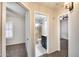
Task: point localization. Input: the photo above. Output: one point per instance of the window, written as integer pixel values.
(9, 29)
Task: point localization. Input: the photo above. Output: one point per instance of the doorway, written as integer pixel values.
(41, 32)
(15, 46)
(64, 35)
(16, 32)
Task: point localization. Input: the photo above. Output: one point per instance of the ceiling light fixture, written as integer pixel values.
(69, 6)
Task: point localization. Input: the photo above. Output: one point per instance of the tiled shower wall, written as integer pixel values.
(0, 33)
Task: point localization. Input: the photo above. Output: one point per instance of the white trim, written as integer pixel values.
(3, 29)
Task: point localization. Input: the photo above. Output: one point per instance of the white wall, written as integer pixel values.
(74, 31)
(18, 29)
(39, 31)
(44, 27)
(64, 28)
(0, 31)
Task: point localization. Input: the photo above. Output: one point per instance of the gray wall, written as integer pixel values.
(18, 29)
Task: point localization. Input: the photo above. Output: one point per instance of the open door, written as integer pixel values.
(27, 30)
(27, 34)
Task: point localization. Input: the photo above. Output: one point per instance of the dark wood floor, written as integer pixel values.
(17, 50)
(62, 53)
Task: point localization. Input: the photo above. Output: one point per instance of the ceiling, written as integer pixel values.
(52, 4)
(15, 8)
(39, 18)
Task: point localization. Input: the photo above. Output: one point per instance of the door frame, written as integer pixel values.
(3, 29)
(59, 46)
(42, 13)
(4, 24)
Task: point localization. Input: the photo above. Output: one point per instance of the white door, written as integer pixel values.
(27, 34)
